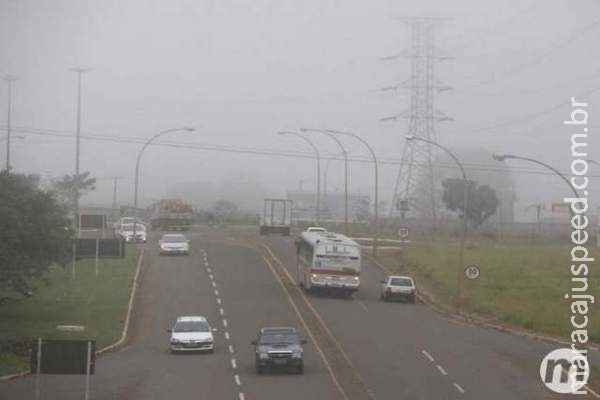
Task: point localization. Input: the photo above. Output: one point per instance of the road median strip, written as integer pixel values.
(345, 376)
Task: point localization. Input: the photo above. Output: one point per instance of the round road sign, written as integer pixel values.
(472, 272)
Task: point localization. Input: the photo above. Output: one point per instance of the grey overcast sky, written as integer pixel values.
(241, 70)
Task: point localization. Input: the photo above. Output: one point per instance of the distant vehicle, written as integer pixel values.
(328, 261)
(191, 333)
(125, 221)
(398, 287)
(174, 243)
(316, 229)
(278, 348)
(126, 232)
(276, 217)
(171, 215)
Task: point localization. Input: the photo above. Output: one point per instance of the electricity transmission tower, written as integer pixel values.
(414, 189)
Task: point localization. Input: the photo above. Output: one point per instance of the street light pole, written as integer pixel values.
(9, 80)
(137, 171)
(460, 266)
(316, 150)
(76, 179)
(376, 209)
(502, 157)
(345, 153)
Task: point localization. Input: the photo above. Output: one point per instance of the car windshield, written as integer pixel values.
(279, 338)
(401, 282)
(191, 326)
(174, 239)
(129, 227)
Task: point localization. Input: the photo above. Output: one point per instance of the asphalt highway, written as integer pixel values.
(357, 348)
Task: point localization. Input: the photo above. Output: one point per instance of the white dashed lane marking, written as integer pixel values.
(233, 363)
(426, 354)
(442, 370)
(459, 388)
(226, 335)
(216, 292)
(225, 323)
(237, 380)
(218, 301)
(221, 311)
(231, 349)
(242, 397)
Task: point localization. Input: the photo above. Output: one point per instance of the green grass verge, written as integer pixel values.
(99, 303)
(522, 285)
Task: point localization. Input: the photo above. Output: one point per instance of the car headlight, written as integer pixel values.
(175, 341)
(263, 356)
(297, 354)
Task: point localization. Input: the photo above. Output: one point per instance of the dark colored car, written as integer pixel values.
(279, 348)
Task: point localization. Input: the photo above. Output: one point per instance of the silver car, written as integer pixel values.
(174, 244)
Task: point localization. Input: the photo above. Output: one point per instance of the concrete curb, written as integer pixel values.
(125, 326)
(134, 286)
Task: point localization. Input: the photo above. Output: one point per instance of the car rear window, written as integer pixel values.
(401, 282)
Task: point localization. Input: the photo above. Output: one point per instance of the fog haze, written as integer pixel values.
(240, 71)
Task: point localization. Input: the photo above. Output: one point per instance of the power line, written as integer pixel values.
(273, 152)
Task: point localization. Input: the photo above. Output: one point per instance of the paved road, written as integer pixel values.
(170, 286)
(385, 351)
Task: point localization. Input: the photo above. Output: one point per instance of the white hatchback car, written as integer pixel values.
(191, 333)
(398, 287)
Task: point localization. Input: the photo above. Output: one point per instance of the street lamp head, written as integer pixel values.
(189, 129)
(410, 137)
(499, 157)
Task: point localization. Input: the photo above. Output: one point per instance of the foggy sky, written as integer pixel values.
(239, 71)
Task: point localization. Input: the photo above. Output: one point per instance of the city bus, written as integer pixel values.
(328, 260)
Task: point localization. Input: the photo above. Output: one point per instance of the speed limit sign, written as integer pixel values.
(472, 272)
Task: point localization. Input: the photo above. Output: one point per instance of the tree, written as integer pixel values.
(482, 200)
(33, 231)
(65, 187)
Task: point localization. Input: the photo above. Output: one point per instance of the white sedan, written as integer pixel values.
(191, 333)
(174, 243)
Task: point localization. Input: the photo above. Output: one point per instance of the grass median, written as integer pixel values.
(97, 302)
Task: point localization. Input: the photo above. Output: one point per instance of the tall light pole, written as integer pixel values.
(137, 171)
(461, 248)
(79, 71)
(502, 157)
(9, 81)
(316, 150)
(345, 153)
(326, 172)
(376, 209)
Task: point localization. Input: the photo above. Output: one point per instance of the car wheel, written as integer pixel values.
(300, 369)
(412, 299)
(259, 370)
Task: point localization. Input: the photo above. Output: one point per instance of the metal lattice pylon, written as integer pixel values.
(414, 190)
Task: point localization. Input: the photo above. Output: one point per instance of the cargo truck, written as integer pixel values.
(171, 215)
(276, 217)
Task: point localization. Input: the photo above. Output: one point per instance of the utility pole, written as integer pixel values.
(9, 80)
(415, 190)
(76, 180)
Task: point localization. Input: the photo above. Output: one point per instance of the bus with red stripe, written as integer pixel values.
(327, 260)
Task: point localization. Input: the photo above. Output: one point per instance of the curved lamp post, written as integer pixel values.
(461, 248)
(307, 140)
(137, 170)
(502, 157)
(345, 154)
(376, 208)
